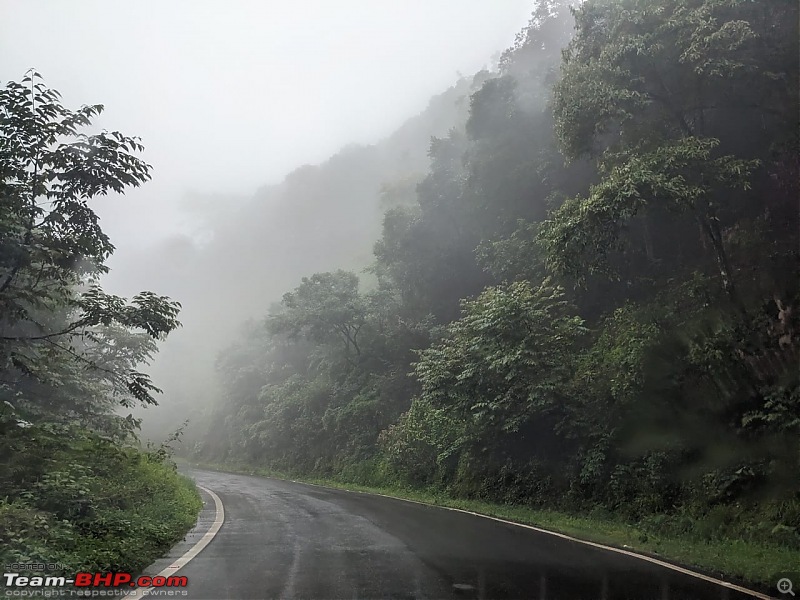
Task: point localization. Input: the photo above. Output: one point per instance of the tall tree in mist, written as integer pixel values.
(76, 489)
(55, 317)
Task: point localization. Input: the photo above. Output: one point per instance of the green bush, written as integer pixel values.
(99, 507)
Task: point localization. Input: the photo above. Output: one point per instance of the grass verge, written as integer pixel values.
(748, 563)
(95, 506)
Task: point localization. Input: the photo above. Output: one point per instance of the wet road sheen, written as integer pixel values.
(289, 540)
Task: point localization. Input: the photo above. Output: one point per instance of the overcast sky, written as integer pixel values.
(230, 95)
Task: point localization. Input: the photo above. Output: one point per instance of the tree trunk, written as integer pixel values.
(648, 239)
(710, 226)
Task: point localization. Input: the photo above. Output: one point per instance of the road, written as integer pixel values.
(290, 540)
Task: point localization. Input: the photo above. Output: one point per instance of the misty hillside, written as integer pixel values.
(321, 217)
(581, 305)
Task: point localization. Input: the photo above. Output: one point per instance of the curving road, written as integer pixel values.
(290, 540)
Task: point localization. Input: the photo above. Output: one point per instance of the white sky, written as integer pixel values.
(230, 95)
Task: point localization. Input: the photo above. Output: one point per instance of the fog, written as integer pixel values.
(229, 98)
(532, 254)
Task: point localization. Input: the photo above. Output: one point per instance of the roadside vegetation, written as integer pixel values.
(91, 504)
(76, 489)
(585, 313)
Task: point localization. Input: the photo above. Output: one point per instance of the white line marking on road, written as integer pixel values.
(655, 561)
(204, 541)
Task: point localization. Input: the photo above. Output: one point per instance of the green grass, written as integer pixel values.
(747, 562)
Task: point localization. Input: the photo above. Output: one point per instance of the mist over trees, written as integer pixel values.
(586, 299)
(249, 252)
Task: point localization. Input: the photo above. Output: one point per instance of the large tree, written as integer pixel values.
(685, 105)
(505, 361)
(58, 328)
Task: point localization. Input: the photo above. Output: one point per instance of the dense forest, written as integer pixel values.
(589, 300)
(72, 473)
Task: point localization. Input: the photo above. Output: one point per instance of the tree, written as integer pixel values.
(504, 361)
(681, 176)
(55, 317)
(70, 354)
(681, 100)
(323, 308)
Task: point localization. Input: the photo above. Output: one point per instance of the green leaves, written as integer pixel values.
(58, 329)
(505, 360)
(74, 498)
(680, 176)
(48, 173)
(323, 308)
(156, 315)
(675, 64)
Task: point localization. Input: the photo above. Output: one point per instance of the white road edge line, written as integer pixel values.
(655, 561)
(219, 519)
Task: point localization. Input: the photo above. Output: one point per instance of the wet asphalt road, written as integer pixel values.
(289, 540)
